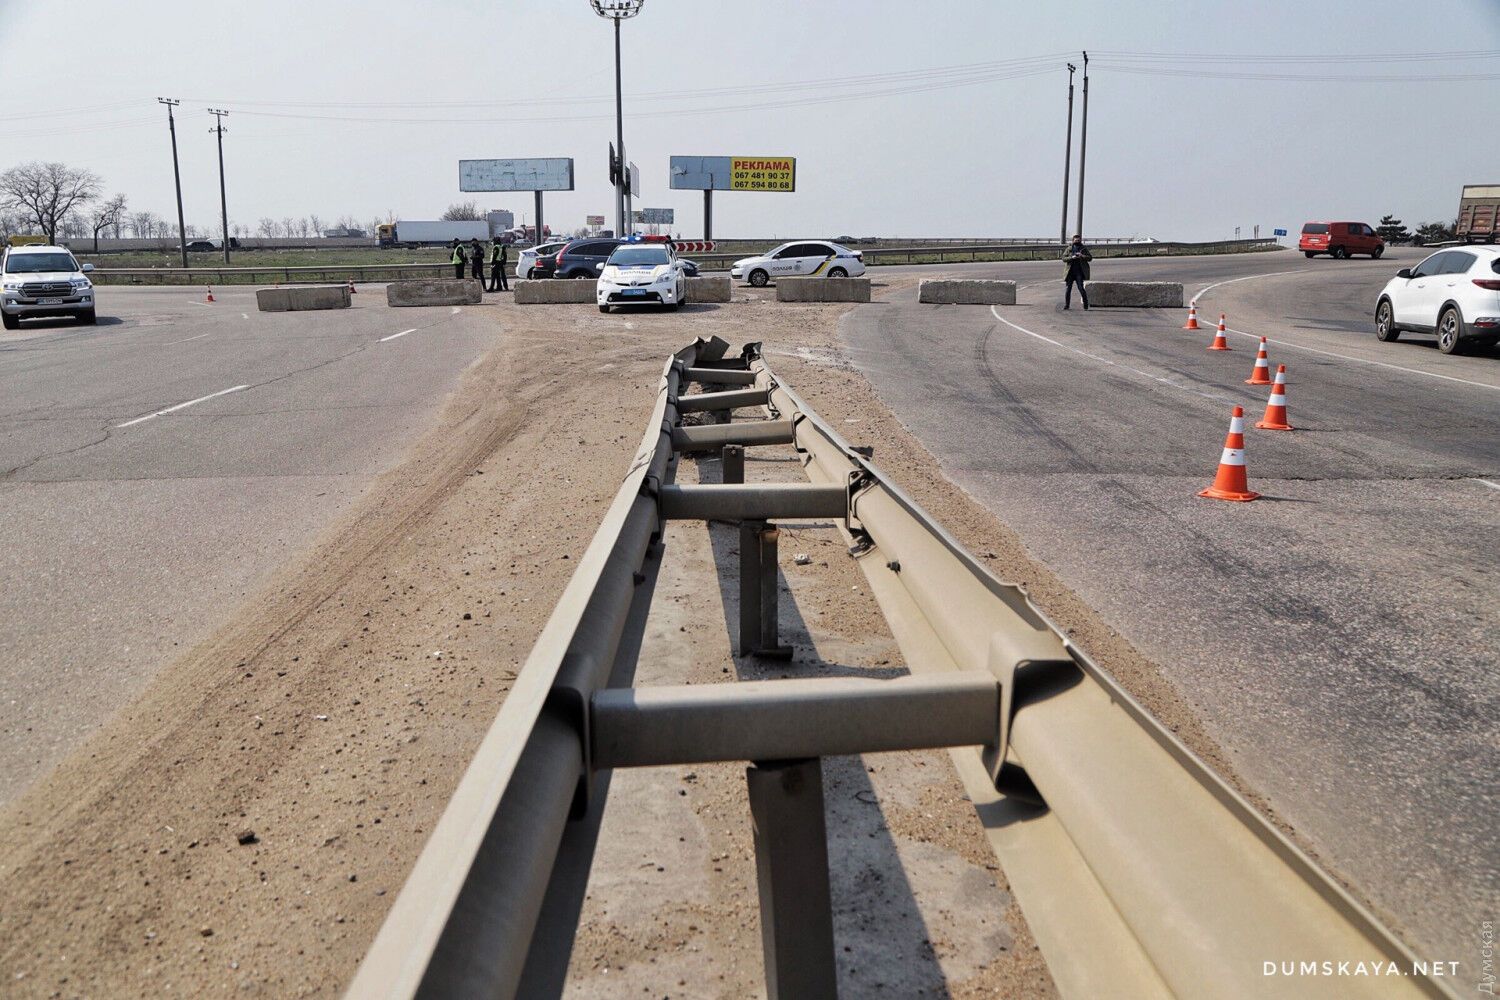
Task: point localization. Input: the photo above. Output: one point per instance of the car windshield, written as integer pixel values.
(1315, 227)
(35, 263)
(638, 257)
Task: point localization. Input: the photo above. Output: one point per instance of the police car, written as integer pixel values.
(802, 259)
(642, 274)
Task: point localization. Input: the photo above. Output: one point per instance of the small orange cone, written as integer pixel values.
(1192, 323)
(1275, 418)
(210, 292)
(1262, 373)
(352, 289)
(1220, 344)
(1230, 483)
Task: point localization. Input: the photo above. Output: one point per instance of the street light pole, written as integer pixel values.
(1067, 159)
(1083, 142)
(219, 129)
(617, 11)
(176, 176)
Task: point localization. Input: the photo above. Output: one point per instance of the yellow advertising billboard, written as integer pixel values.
(762, 173)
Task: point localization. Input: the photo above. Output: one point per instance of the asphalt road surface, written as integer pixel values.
(1340, 636)
(157, 468)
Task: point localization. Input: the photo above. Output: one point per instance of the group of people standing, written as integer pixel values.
(472, 257)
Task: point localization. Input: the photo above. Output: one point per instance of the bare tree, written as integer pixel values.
(106, 214)
(46, 193)
(239, 230)
(463, 211)
(346, 222)
(317, 224)
(267, 228)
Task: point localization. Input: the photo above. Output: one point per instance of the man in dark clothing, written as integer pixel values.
(498, 261)
(476, 260)
(457, 259)
(1077, 257)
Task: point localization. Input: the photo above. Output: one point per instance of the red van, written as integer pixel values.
(1340, 239)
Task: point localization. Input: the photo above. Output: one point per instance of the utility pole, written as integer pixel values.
(176, 176)
(219, 129)
(617, 11)
(1083, 142)
(1067, 159)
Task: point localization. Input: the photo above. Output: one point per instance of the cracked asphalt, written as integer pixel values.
(125, 544)
(1341, 636)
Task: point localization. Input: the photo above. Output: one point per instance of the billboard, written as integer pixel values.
(734, 173)
(547, 174)
(593, 220)
(657, 216)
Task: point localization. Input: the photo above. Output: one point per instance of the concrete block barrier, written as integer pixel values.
(435, 292)
(715, 289)
(297, 298)
(1139, 294)
(553, 291)
(822, 289)
(967, 292)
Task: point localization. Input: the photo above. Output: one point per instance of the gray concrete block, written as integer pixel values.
(714, 289)
(298, 298)
(822, 289)
(553, 291)
(967, 292)
(1139, 294)
(435, 292)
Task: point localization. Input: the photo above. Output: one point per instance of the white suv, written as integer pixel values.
(44, 281)
(1454, 294)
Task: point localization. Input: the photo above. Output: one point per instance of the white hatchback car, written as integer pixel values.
(1454, 294)
(642, 274)
(803, 259)
(527, 258)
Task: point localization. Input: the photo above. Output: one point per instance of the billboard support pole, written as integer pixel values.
(1083, 142)
(539, 240)
(708, 213)
(1062, 235)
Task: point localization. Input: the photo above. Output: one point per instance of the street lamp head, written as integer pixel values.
(617, 10)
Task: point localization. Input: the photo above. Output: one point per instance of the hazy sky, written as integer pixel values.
(361, 108)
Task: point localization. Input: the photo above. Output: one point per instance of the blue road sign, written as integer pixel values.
(1278, 232)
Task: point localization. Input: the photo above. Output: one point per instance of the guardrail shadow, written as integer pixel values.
(880, 933)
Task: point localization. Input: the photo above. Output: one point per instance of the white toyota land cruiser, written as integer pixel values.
(44, 281)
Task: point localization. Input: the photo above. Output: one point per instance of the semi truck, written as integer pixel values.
(1479, 213)
(405, 233)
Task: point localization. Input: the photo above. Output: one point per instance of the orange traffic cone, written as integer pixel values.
(1192, 323)
(1220, 343)
(352, 289)
(1275, 418)
(1262, 373)
(210, 292)
(1230, 483)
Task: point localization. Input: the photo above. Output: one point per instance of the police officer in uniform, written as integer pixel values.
(458, 259)
(476, 261)
(498, 260)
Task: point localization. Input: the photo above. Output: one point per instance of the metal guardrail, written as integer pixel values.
(1139, 871)
(956, 253)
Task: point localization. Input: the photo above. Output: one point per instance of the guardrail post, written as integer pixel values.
(791, 865)
(760, 606)
(732, 463)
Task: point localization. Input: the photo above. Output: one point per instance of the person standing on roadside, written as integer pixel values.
(498, 261)
(1077, 257)
(476, 261)
(458, 259)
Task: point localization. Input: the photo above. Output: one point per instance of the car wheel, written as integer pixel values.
(1375, 254)
(10, 322)
(1310, 254)
(838, 272)
(1385, 322)
(1450, 332)
(88, 317)
(604, 309)
(1338, 253)
(759, 278)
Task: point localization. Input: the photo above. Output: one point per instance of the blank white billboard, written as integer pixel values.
(545, 174)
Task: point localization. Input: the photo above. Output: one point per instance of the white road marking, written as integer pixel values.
(1216, 397)
(456, 311)
(200, 336)
(1493, 486)
(395, 335)
(244, 315)
(1334, 354)
(181, 406)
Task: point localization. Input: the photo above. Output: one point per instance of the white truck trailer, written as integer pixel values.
(407, 233)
